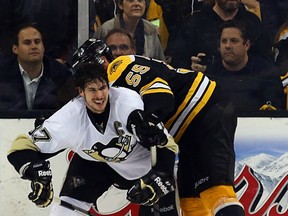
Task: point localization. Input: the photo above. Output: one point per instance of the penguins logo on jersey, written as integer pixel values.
(116, 150)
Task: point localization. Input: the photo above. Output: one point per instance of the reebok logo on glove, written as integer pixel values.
(44, 173)
(163, 188)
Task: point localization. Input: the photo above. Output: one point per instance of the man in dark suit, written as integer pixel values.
(30, 80)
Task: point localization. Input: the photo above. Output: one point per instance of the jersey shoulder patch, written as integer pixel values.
(116, 67)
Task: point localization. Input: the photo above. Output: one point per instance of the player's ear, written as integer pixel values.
(80, 91)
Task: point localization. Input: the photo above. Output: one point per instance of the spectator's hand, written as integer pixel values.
(196, 63)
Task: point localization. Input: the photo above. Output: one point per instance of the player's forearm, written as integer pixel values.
(22, 151)
(165, 160)
(22, 157)
(159, 104)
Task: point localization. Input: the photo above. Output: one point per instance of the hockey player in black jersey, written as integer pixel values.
(202, 122)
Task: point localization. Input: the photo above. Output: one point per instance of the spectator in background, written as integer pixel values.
(273, 15)
(251, 82)
(199, 34)
(154, 15)
(280, 50)
(175, 12)
(57, 20)
(105, 10)
(120, 42)
(252, 6)
(30, 80)
(130, 18)
(280, 47)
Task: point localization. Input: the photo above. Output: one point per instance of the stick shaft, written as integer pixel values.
(153, 151)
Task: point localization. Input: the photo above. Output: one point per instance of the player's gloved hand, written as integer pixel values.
(148, 189)
(41, 182)
(147, 127)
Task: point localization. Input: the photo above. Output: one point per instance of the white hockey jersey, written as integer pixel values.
(71, 128)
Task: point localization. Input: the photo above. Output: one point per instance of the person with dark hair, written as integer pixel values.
(201, 120)
(57, 20)
(120, 42)
(31, 80)
(251, 82)
(104, 126)
(105, 10)
(131, 19)
(199, 34)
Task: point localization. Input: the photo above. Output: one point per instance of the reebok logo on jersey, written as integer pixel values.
(160, 184)
(44, 173)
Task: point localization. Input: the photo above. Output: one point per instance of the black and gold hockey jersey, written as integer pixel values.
(177, 96)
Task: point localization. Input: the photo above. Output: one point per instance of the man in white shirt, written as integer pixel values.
(31, 80)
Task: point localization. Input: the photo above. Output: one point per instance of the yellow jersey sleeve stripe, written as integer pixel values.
(200, 92)
(191, 92)
(153, 91)
(158, 85)
(195, 111)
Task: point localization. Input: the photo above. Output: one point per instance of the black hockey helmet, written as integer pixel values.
(91, 51)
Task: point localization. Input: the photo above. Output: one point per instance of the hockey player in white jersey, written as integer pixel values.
(104, 127)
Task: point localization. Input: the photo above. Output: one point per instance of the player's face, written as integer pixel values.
(228, 5)
(96, 96)
(133, 8)
(120, 44)
(30, 48)
(233, 48)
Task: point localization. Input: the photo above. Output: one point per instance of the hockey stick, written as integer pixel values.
(153, 151)
(72, 207)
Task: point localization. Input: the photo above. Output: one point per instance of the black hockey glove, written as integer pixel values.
(42, 189)
(147, 127)
(150, 188)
